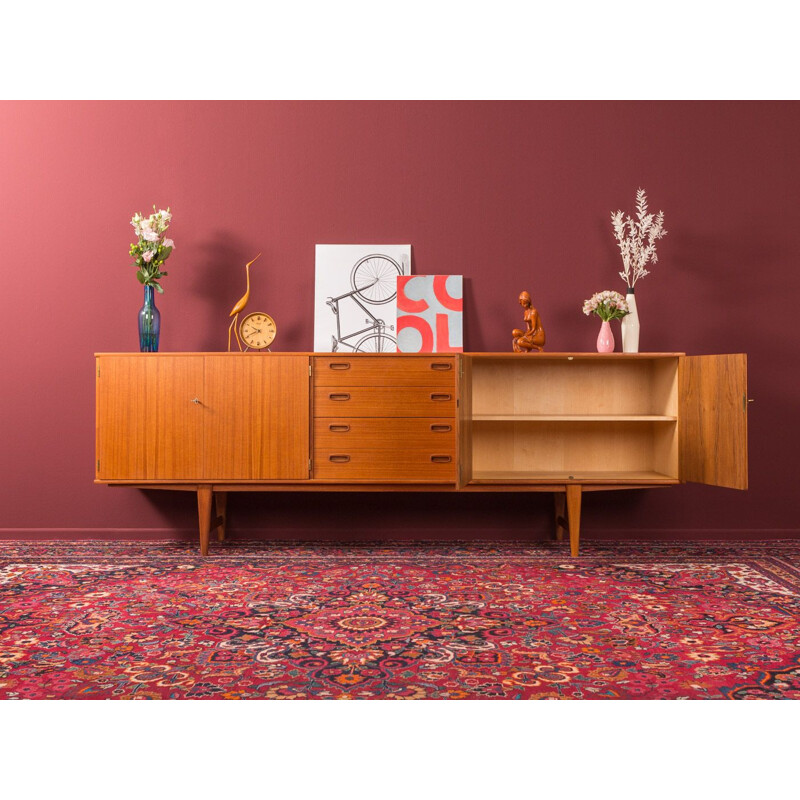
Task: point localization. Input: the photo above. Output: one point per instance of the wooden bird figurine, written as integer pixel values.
(240, 304)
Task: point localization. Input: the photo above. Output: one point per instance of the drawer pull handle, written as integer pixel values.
(441, 459)
(339, 365)
(443, 366)
(339, 428)
(342, 396)
(441, 397)
(441, 428)
(339, 459)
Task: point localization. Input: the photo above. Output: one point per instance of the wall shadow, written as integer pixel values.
(219, 280)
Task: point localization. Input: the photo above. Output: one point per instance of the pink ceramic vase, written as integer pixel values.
(605, 339)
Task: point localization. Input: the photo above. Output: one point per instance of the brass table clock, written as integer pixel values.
(257, 331)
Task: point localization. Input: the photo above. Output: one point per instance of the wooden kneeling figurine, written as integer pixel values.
(533, 337)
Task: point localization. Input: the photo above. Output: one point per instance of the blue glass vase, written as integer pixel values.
(149, 323)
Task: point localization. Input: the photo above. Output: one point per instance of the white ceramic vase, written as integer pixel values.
(630, 325)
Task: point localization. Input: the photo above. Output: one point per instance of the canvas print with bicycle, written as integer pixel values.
(355, 300)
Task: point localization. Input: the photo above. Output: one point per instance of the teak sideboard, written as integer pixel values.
(565, 423)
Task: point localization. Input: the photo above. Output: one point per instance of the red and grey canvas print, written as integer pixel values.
(430, 313)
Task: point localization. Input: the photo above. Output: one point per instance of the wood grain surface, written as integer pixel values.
(713, 420)
(386, 370)
(147, 427)
(391, 434)
(384, 401)
(256, 418)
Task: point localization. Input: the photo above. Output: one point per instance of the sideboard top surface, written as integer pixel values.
(518, 356)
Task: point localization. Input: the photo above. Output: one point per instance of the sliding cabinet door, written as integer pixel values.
(256, 417)
(149, 424)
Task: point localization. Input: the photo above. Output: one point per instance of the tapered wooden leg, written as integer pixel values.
(221, 503)
(574, 514)
(204, 516)
(561, 514)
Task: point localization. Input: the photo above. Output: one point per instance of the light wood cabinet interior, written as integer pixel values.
(574, 418)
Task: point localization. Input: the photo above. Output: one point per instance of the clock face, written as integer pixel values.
(258, 330)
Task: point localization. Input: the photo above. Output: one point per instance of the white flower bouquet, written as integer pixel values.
(152, 248)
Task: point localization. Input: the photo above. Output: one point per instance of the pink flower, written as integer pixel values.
(607, 305)
(147, 232)
(169, 243)
(147, 256)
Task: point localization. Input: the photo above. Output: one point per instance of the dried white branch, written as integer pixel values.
(637, 239)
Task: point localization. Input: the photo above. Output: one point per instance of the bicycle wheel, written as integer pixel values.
(377, 343)
(374, 278)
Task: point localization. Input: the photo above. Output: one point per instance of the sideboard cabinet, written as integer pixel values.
(564, 423)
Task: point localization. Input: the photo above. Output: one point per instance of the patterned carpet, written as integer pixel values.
(503, 621)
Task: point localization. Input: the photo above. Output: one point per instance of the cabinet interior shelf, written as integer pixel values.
(573, 418)
(537, 476)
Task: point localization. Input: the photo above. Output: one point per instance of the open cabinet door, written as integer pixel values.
(713, 420)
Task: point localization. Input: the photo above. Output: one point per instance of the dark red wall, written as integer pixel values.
(511, 195)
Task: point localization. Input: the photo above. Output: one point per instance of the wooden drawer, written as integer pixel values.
(416, 464)
(389, 434)
(392, 370)
(384, 401)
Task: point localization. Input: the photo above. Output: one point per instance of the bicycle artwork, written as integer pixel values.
(358, 286)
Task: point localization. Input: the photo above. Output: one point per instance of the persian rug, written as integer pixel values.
(144, 620)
